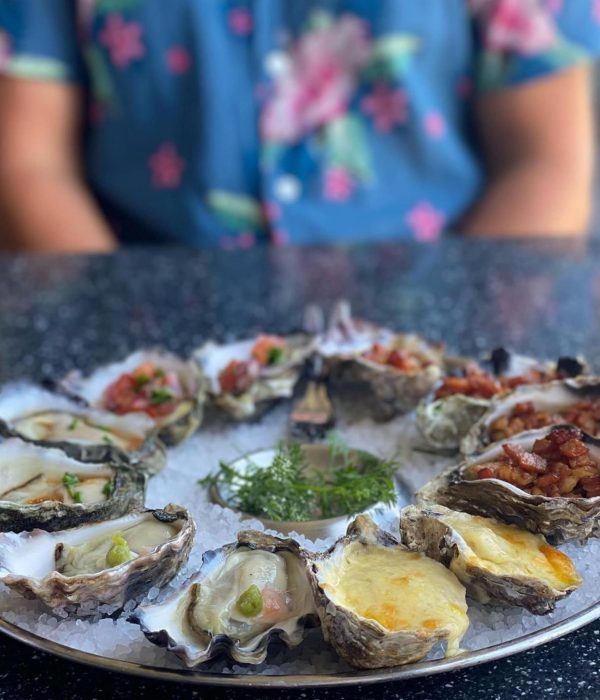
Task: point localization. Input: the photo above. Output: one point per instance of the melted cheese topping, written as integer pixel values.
(402, 591)
(506, 550)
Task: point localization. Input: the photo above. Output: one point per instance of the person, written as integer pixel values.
(234, 123)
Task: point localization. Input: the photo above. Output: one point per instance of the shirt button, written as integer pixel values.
(287, 188)
(277, 64)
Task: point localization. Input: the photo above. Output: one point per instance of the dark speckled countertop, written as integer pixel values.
(60, 312)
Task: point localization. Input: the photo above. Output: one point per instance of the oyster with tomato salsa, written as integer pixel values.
(245, 378)
(45, 488)
(108, 562)
(158, 384)
(246, 595)
(464, 396)
(546, 481)
(88, 435)
(497, 563)
(381, 604)
(391, 371)
(529, 407)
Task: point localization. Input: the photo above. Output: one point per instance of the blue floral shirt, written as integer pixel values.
(236, 122)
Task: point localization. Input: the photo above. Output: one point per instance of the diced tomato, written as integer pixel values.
(237, 377)
(146, 389)
(269, 349)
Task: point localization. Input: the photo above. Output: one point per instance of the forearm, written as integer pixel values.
(531, 199)
(49, 212)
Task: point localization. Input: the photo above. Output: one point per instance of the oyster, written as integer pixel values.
(572, 512)
(45, 488)
(245, 595)
(533, 406)
(159, 384)
(494, 561)
(246, 377)
(381, 604)
(108, 562)
(460, 401)
(88, 435)
(393, 370)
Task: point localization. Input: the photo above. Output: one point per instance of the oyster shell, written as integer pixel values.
(559, 518)
(552, 397)
(208, 616)
(87, 435)
(71, 567)
(495, 562)
(382, 605)
(358, 353)
(33, 492)
(172, 426)
(445, 421)
(263, 385)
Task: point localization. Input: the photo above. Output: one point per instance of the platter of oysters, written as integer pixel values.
(451, 518)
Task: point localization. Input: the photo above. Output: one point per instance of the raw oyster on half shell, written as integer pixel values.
(246, 595)
(497, 563)
(381, 604)
(156, 383)
(45, 488)
(108, 562)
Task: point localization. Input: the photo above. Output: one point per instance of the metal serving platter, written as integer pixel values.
(424, 668)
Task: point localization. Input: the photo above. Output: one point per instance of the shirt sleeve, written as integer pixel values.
(39, 39)
(521, 40)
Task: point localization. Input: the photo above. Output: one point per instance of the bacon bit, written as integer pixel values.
(523, 408)
(560, 435)
(528, 461)
(591, 486)
(573, 448)
(402, 360)
(485, 473)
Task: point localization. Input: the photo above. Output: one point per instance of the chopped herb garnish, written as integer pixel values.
(140, 380)
(290, 490)
(276, 355)
(108, 488)
(159, 396)
(107, 440)
(73, 424)
(70, 481)
(159, 373)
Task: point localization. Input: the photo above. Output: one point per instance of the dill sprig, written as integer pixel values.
(290, 490)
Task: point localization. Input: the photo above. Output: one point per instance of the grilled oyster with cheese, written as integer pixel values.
(496, 562)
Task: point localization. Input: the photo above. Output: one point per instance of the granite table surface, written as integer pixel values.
(57, 313)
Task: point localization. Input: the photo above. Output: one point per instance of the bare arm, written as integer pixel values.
(44, 203)
(538, 145)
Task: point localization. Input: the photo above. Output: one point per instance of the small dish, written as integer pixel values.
(318, 458)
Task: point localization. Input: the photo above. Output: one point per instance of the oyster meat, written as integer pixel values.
(383, 605)
(245, 378)
(529, 407)
(393, 371)
(462, 399)
(158, 384)
(108, 562)
(496, 562)
(546, 481)
(87, 435)
(45, 488)
(245, 595)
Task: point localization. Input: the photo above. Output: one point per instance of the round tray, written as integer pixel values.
(424, 668)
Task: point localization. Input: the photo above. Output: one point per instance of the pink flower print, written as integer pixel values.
(387, 106)
(555, 6)
(167, 167)
(522, 26)
(339, 184)
(123, 40)
(315, 80)
(596, 11)
(271, 211)
(178, 60)
(425, 222)
(280, 237)
(240, 21)
(435, 125)
(246, 239)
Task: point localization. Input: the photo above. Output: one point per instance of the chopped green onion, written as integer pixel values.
(108, 488)
(159, 373)
(140, 380)
(69, 482)
(159, 396)
(73, 424)
(275, 355)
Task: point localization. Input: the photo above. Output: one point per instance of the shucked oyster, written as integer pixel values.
(245, 595)
(87, 435)
(45, 488)
(545, 481)
(246, 377)
(529, 407)
(167, 389)
(381, 604)
(394, 371)
(108, 562)
(461, 400)
(495, 562)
